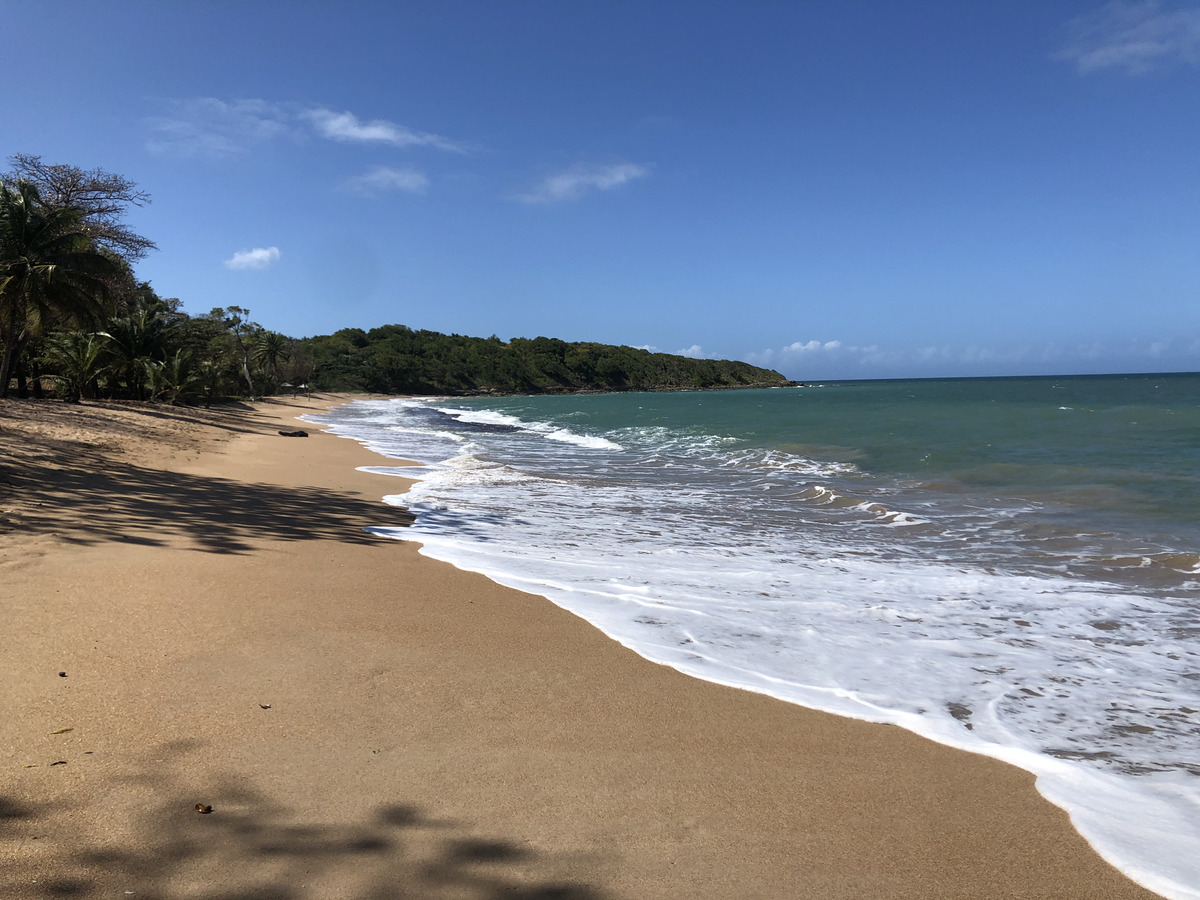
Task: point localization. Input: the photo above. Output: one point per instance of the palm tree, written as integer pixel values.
(210, 379)
(173, 377)
(50, 272)
(79, 359)
(134, 340)
(270, 350)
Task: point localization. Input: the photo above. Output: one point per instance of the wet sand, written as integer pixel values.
(194, 597)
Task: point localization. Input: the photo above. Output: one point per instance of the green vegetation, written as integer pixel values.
(50, 272)
(74, 316)
(398, 360)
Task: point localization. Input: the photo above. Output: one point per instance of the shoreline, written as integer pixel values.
(426, 727)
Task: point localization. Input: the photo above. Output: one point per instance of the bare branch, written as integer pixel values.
(104, 197)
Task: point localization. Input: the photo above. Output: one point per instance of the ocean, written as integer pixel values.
(1010, 565)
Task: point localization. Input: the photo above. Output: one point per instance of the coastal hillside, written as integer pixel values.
(395, 359)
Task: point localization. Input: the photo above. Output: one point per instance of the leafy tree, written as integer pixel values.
(51, 274)
(237, 323)
(298, 366)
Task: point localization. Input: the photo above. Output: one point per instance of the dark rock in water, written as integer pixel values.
(294, 433)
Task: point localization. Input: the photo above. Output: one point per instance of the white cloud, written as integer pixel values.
(1135, 37)
(345, 126)
(382, 178)
(208, 126)
(258, 258)
(800, 347)
(575, 182)
(815, 346)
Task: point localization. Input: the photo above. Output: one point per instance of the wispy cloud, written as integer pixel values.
(381, 179)
(214, 127)
(258, 258)
(579, 180)
(1135, 37)
(345, 126)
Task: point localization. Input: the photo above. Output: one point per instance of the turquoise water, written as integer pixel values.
(1010, 566)
(1126, 446)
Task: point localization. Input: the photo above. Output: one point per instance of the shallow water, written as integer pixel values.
(1009, 566)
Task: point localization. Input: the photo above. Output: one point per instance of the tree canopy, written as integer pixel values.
(396, 359)
(51, 273)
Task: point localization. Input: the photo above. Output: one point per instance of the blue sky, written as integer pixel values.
(834, 189)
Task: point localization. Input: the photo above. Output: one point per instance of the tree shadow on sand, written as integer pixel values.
(249, 848)
(62, 472)
(133, 504)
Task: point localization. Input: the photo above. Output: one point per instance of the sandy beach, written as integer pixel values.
(194, 615)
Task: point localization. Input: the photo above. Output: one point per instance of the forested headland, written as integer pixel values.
(396, 360)
(76, 322)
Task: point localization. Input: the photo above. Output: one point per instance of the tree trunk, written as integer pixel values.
(12, 346)
(246, 375)
(35, 375)
(6, 365)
